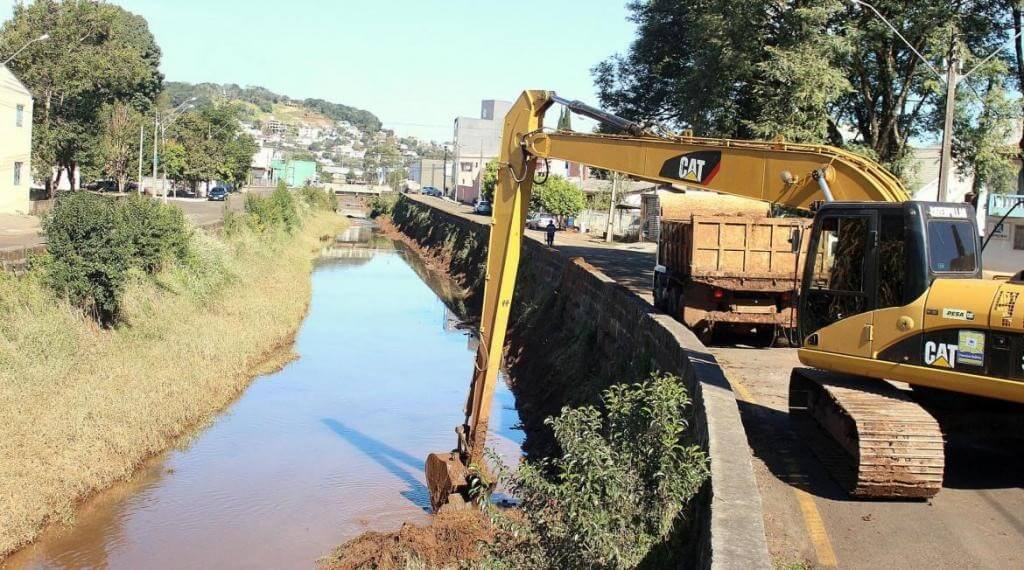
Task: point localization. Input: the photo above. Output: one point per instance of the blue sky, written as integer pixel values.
(415, 63)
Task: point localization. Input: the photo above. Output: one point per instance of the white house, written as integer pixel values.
(15, 144)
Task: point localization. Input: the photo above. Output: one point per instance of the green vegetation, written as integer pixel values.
(383, 204)
(617, 491)
(264, 100)
(94, 243)
(275, 212)
(98, 55)
(557, 196)
(812, 71)
(208, 144)
(490, 180)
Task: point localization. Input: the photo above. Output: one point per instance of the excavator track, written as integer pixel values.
(883, 444)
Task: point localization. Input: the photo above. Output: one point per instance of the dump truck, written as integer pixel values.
(740, 273)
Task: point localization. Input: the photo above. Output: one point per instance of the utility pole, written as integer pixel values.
(610, 228)
(142, 136)
(156, 134)
(946, 159)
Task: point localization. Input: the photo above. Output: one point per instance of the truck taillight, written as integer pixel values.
(718, 294)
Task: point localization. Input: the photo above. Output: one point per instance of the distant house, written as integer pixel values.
(295, 173)
(15, 144)
(261, 171)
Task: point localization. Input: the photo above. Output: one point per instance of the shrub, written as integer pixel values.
(157, 232)
(278, 211)
(616, 492)
(383, 204)
(319, 199)
(93, 242)
(89, 253)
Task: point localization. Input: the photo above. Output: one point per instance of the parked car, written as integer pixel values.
(483, 207)
(540, 221)
(431, 191)
(102, 186)
(218, 193)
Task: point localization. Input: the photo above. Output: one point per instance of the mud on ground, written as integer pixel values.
(448, 541)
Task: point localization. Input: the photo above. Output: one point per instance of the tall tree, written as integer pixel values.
(119, 142)
(805, 69)
(97, 54)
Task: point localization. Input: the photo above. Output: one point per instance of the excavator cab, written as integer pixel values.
(863, 257)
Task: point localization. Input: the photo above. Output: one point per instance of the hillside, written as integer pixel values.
(267, 103)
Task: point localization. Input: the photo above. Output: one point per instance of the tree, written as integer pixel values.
(565, 120)
(120, 141)
(209, 143)
(489, 180)
(806, 70)
(558, 197)
(97, 54)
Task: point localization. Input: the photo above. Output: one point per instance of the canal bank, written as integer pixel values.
(328, 447)
(575, 331)
(84, 406)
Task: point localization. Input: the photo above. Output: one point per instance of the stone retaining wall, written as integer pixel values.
(573, 332)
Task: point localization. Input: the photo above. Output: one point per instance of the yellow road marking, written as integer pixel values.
(812, 516)
(816, 529)
(740, 389)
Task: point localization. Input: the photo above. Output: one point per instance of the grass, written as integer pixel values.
(84, 406)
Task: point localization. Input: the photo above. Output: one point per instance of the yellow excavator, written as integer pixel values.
(892, 290)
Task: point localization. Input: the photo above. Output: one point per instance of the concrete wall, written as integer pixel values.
(573, 332)
(15, 144)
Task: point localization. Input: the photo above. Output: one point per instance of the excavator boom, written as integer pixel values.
(793, 175)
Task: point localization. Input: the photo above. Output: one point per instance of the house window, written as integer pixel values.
(467, 167)
(19, 116)
(17, 173)
(1018, 236)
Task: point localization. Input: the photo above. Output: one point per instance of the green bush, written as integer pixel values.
(319, 199)
(94, 242)
(158, 233)
(383, 204)
(616, 492)
(278, 211)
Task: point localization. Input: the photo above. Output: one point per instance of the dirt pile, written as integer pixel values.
(451, 538)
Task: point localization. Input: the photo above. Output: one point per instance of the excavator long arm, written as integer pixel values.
(794, 175)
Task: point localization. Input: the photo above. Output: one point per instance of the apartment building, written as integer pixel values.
(477, 141)
(15, 144)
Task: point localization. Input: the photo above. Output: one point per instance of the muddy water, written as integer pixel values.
(330, 446)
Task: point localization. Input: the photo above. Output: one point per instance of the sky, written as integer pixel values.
(416, 64)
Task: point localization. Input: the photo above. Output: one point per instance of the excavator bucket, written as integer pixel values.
(448, 481)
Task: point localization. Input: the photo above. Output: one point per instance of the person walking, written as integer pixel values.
(551, 233)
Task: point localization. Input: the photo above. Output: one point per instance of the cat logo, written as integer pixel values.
(697, 167)
(940, 354)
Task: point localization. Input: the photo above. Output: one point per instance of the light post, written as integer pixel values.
(156, 139)
(952, 80)
(41, 38)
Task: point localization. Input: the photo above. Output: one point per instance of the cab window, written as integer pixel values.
(952, 246)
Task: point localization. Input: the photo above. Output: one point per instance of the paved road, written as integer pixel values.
(23, 232)
(976, 521)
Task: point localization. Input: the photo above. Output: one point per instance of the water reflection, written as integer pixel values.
(329, 447)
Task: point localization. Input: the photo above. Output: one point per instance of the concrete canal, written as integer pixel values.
(312, 455)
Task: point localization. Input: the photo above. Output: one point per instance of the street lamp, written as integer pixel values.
(41, 38)
(952, 80)
(156, 135)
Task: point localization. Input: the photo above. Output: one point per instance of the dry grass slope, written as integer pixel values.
(82, 407)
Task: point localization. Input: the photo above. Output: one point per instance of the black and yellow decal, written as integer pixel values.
(697, 167)
(987, 353)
